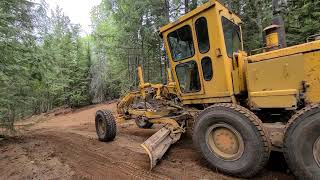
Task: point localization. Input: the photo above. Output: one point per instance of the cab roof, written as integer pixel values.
(193, 13)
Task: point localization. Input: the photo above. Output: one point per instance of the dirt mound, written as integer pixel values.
(65, 147)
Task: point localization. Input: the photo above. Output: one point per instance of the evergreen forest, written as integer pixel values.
(46, 62)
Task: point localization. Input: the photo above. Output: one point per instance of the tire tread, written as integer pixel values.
(111, 125)
(258, 124)
(294, 121)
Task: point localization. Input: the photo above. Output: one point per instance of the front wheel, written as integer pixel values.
(105, 125)
(232, 140)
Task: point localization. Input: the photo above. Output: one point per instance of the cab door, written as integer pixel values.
(184, 59)
(203, 48)
(199, 65)
(209, 43)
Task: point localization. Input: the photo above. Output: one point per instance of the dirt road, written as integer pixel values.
(64, 146)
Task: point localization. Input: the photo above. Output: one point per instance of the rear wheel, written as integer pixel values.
(232, 140)
(105, 125)
(302, 143)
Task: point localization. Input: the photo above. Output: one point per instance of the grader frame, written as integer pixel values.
(171, 115)
(239, 107)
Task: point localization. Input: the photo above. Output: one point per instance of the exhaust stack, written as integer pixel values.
(272, 37)
(278, 6)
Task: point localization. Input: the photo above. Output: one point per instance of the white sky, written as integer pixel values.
(77, 10)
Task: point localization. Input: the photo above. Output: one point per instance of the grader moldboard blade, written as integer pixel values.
(158, 144)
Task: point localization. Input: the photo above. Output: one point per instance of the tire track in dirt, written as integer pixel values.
(84, 156)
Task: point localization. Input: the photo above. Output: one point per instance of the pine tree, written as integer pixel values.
(302, 20)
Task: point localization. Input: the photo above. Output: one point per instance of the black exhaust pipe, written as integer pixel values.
(278, 6)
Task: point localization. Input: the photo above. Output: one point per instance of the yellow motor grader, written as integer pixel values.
(239, 107)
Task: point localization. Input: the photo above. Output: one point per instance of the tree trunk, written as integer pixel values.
(194, 4)
(186, 6)
(167, 11)
(129, 73)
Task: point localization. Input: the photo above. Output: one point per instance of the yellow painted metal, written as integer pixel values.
(121, 119)
(312, 76)
(208, 100)
(275, 83)
(139, 112)
(271, 79)
(272, 40)
(173, 123)
(287, 102)
(280, 78)
(170, 79)
(142, 84)
(274, 99)
(170, 88)
(187, 16)
(150, 114)
(157, 145)
(197, 11)
(274, 93)
(238, 72)
(284, 70)
(276, 79)
(158, 88)
(126, 101)
(225, 142)
(140, 75)
(302, 48)
(221, 85)
(158, 114)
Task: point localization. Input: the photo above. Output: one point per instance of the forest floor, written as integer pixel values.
(63, 145)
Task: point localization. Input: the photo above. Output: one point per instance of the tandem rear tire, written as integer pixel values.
(232, 139)
(302, 143)
(105, 125)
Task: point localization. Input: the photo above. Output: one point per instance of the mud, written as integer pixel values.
(64, 146)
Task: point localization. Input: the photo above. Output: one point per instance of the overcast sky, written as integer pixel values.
(77, 10)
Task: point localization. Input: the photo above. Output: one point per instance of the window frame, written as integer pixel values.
(239, 34)
(212, 73)
(195, 26)
(170, 47)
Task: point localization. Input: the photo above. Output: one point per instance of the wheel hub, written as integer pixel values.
(316, 151)
(142, 121)
(101, 126)
(225, 142)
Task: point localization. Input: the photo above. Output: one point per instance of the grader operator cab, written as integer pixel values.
(238, 107)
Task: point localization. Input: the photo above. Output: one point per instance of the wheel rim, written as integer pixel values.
(316, 151)
(101, 126)
(225, 142)
(141, 121)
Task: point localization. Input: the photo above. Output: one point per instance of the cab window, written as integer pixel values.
(181, 43)
(206, 64)
(232, 36)
(202, 35)
(188, 77)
